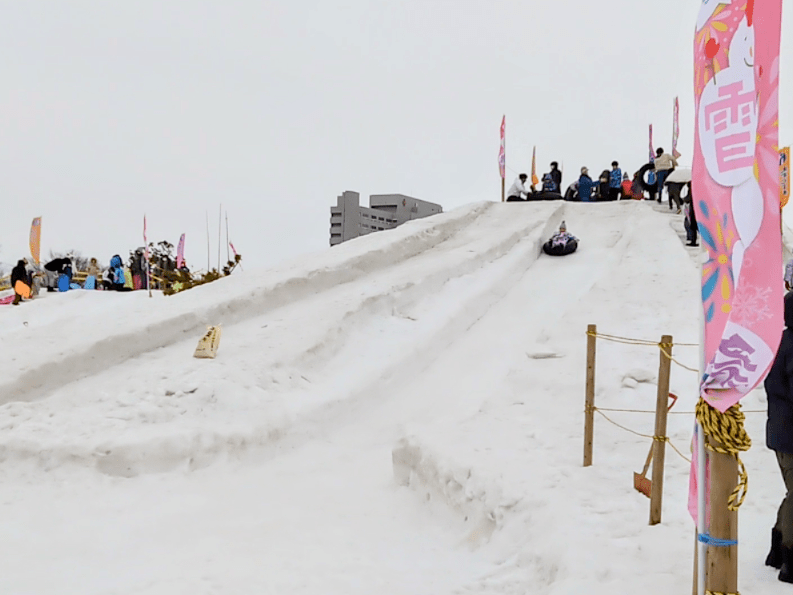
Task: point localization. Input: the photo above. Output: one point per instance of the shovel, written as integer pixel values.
(640, 481)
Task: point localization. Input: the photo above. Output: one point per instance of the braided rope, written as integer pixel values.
(729, 430)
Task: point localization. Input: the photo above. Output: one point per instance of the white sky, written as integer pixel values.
(110, 110)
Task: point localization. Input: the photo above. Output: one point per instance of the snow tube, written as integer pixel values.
(560, 250)
(544, 195)
(642, 171)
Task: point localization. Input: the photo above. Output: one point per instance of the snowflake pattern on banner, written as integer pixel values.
(751, 305)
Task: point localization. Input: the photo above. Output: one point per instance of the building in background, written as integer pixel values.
(348, 219)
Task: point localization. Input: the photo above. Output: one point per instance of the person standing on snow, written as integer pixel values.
(615, 181)
(585, 186)
(779, 438)
(556, 176)
(664, 164)
(19, 274)
(517, 192)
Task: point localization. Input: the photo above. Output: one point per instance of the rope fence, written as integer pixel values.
(724, 431)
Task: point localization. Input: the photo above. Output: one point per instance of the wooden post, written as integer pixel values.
(589, 408)
(659, 445)
(502, 189)
(694, 590)
(722, 561)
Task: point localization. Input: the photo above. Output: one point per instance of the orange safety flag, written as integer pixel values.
(534, 179)
(35, 240)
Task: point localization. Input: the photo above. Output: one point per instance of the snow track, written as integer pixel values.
(400, 414)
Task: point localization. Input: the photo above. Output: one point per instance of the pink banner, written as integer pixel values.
(735, 186)
(180, 253)
(502, 157)
(675, 128)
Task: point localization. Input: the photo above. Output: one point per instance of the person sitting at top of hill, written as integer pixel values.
(518, 192)
(548, 185)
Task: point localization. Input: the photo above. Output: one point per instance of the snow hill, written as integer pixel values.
(401, 414)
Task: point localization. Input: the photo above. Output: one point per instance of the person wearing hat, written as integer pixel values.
(585, 185)
(517, 191)
(561, 243)
(615, 181)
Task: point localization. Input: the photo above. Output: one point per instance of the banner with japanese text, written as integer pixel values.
(35, 240)
(784, 176)
(735, 185)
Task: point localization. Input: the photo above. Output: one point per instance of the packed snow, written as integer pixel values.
(401, 414)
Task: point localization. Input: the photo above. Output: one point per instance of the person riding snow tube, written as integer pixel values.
(561, 243)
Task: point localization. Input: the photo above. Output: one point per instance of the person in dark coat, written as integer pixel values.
(603, 185)
(19, 273)
(60, 266)
(556, 176)
(690, 218)
(779, 438)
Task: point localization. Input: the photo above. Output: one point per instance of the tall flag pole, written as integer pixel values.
(735, 183)
(146, 254)
(534, 179)
(675, 128)
(652, 150)
(502, 157)
(35, 240)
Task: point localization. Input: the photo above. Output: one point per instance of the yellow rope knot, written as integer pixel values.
(720, 593)
(728, 429)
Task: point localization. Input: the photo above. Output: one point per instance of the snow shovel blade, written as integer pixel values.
(642, 484)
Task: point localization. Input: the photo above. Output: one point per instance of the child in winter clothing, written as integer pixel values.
(615, 181)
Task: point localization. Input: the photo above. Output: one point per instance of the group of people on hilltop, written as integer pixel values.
(521, 191)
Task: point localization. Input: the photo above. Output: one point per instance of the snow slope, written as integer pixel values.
(399, 414)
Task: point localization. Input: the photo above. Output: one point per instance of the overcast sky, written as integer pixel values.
(274, 107)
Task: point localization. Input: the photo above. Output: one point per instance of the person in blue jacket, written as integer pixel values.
(779, 438)
(615, 181)
(585, 185)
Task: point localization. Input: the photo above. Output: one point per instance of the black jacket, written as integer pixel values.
(556, 176)
(19, 273)
(59, 265)
(779, 389)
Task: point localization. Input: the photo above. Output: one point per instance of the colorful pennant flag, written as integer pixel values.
(502, 157)
(735, 182)
(675, 128)
(784, 176)
(180, 253)
(534, 179)
(35, 240)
